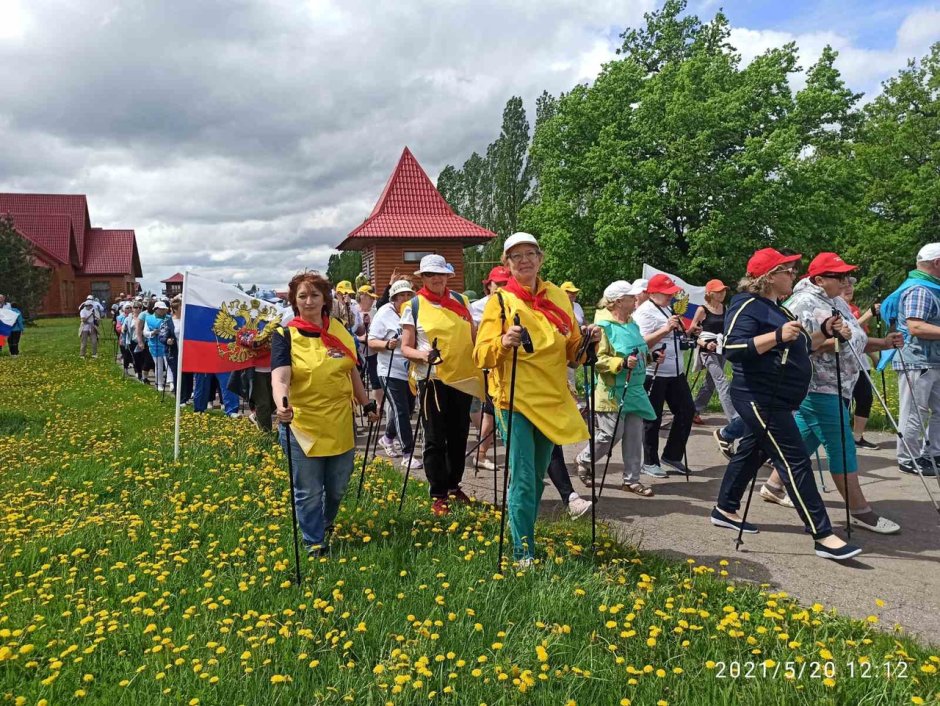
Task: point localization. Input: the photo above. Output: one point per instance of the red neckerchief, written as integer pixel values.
(329, 340)
(557, 316)
(447, 301)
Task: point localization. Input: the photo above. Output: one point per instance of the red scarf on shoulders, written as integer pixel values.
(447, 301)
(329, 340)
(557, 316)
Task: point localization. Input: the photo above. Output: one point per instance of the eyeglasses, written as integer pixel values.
(786, 271)
(523, 256)
(841, 276)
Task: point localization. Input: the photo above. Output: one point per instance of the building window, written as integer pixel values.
(101, 291)
(415, 256)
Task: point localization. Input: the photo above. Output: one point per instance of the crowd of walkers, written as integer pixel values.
(444, 377)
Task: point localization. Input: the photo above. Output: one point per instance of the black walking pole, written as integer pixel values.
(590, 361)
(837, 340)
(773, 398)
(293, 504)
(512, 401)
(434, 357)
(377, 427)
(610, 449)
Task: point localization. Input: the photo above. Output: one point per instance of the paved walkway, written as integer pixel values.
(902, 570)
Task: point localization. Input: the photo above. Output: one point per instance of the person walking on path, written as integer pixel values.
(384, 339)
(915, 308)
(621, 348)
(770, 357)
(666, 382)
(545, 414)
(445, 379)
(819, 419)
(88, 328)
(13, 341)
(313, 369)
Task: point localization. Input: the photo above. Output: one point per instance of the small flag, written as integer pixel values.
(8, 319)
(686, 301)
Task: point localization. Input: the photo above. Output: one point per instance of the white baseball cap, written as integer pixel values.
(620, 289)
(931, 251)
(519, 239)
(160, 305)
(641, 284)
(400, 286)
(433, 265)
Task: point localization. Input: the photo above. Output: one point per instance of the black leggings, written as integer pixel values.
(863, 397)
(446, 422)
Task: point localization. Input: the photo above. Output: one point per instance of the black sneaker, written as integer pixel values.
(927, 467)
(863, 443)
(720, 520)
(922, 467)
(841, 554)
(726, 447)
(676, 466)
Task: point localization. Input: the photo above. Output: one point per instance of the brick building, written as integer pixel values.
(83, 260)
(410, 220)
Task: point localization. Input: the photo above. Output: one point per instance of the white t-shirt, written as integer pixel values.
(386, 325)
(477, 307)
(578, 313)
(650, 318)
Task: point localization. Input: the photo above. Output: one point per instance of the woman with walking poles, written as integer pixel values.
(539, 412)
(437, 338)
(313, 371)
(770, 356)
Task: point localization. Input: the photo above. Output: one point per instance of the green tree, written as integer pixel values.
(24, 284)
(899, 162)
(345, 264)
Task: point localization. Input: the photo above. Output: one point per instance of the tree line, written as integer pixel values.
(682, 156)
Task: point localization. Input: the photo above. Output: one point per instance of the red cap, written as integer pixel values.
(715, 285)
(828, 262)
(662, 284)
(763, 261)
(498, 274)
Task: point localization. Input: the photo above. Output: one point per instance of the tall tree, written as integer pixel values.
(344, 265)
(23, 283)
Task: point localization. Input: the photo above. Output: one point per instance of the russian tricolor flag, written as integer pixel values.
(8, 319)
(696, 294)
(223, 329)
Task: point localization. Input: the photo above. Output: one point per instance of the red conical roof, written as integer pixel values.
(411, 207)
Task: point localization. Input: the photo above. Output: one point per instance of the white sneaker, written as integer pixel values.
(388, 446)
(235, 415)
(160, 388)
(485, 463)
(653, 470)
(415, 462)
(526, 563)
(577, 506)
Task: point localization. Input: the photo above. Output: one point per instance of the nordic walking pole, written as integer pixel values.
(897, 429)
(378, 426)
(623, 396)
(819, 469)
(773, 398)
(293, 505)
(365, 459)
(476, 459)
(920, 417)
(590, 362)
(837, 340)
(512, 402)
(434, 357)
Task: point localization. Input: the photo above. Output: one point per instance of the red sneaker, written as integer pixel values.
(458, 496)
(440, 507)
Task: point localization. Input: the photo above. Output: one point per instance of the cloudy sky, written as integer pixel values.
(245, 138)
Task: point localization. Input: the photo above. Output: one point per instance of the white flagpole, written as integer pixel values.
(179, 369)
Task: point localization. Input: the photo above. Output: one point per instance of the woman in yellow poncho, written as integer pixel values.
(544, 412)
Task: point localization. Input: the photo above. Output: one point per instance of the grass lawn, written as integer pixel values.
(128, 578)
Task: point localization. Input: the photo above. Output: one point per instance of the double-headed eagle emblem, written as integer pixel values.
(680, 303)
(242, 329)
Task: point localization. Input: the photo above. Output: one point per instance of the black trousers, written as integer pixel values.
(14, 341)
(558, 473)
(446, 412)
(863, 397)
(782, 443)
(675, 393)
(401, 403)
(262, 398)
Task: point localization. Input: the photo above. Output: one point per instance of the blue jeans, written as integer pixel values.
(201, 394)
(319, 485)
(734, 429)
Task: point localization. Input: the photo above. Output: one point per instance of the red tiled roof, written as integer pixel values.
(112, 252)
(73, 205)
(411, 207)
(51, 232)
(175, 279)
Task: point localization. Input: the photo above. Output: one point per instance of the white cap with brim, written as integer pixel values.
(433, 265)
(519, 239)
(401, 286)
(641, 284)
(620, 289)
(160, 305)
(931, 251)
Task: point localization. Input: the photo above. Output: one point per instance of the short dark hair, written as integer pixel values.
(322, 284)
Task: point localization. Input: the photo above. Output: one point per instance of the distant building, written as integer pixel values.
(83, 260)
(174, 285)
(411, 220)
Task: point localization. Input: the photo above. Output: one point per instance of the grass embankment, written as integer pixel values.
(128, 578)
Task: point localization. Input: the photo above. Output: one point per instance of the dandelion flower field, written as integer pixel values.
(126, 578)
